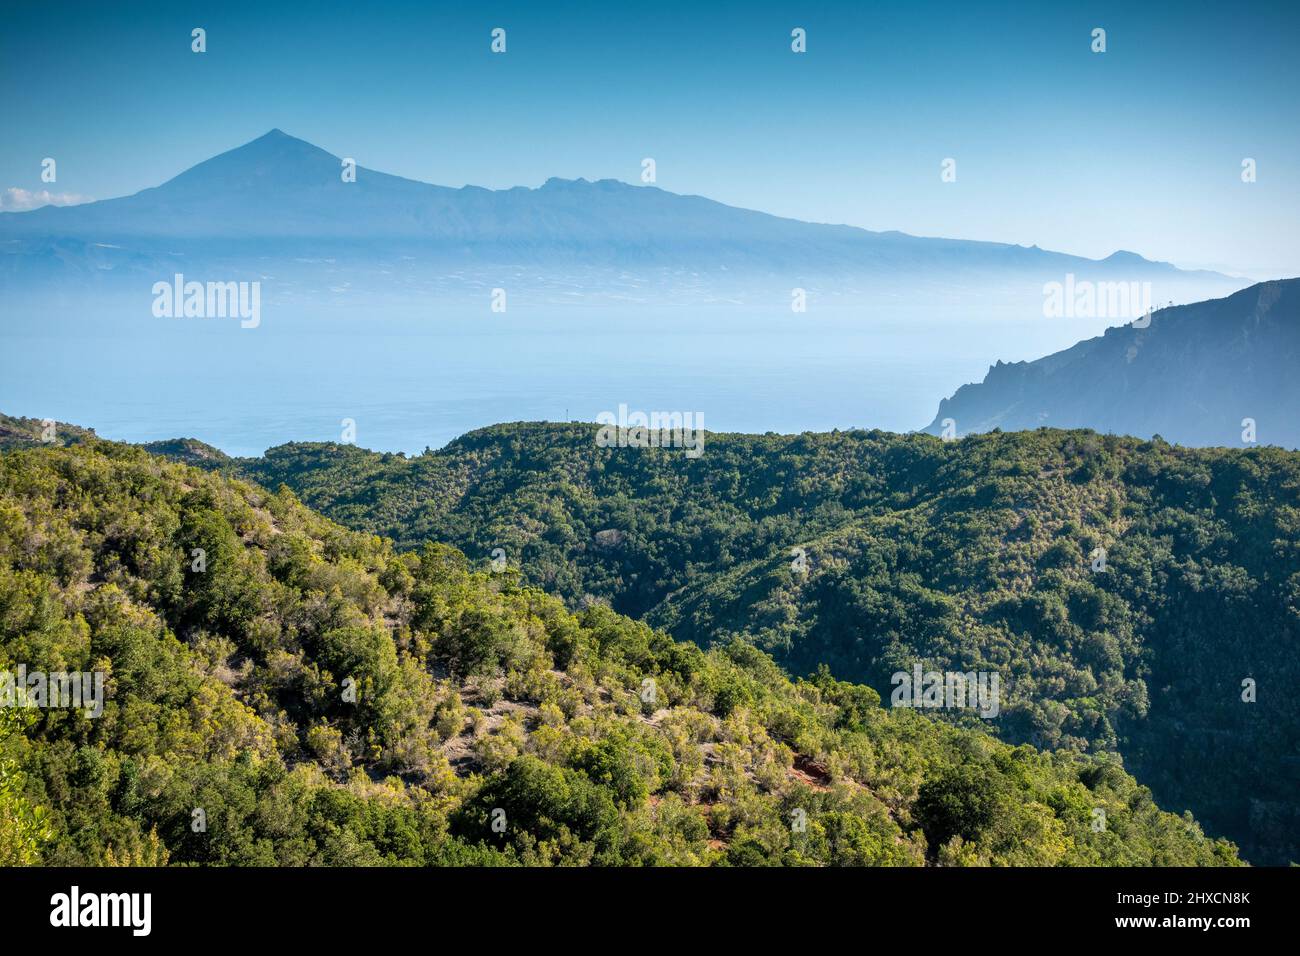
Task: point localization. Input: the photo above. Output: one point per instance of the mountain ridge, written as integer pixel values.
(1194, 375)
(279, 161)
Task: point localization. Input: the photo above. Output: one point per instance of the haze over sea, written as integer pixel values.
(414, 381)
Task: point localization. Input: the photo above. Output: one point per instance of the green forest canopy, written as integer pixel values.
(588, 737)
(969, 554)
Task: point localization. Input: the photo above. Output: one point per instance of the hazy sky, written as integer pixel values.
(1138, 148)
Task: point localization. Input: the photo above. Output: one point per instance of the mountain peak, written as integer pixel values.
(274, 158)
(274, 137)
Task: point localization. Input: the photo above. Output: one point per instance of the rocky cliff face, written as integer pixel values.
(1221, 372)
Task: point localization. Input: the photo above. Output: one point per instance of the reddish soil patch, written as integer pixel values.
(808, 771)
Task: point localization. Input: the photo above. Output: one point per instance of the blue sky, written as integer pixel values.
(1137, 148)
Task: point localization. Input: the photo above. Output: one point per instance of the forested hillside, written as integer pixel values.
(280, 690)
(35, 432)
(866, 551)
